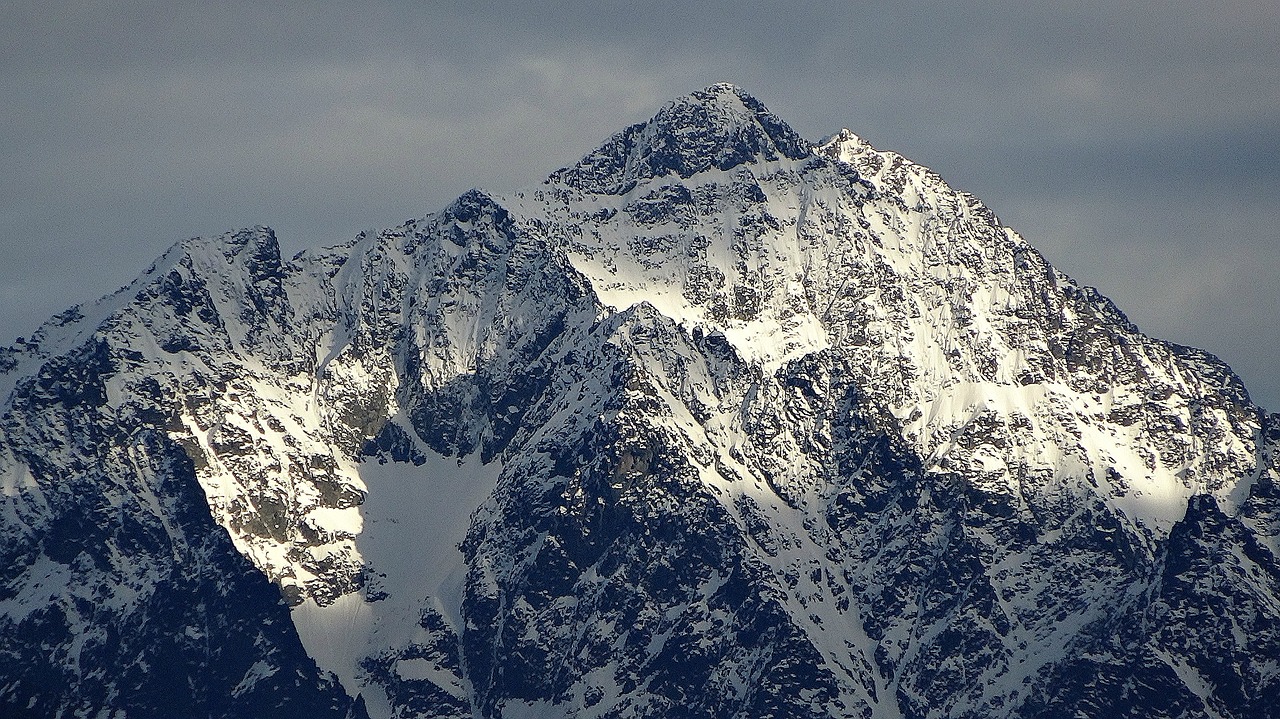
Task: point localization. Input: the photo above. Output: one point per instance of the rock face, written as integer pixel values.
(715, 423)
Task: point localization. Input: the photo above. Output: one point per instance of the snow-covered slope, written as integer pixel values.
(716, 422)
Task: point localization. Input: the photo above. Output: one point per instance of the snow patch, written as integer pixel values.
(412, 521)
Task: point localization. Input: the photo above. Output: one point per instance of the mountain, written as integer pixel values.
(717, 422)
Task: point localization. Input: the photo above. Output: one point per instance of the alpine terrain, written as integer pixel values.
(717, 422)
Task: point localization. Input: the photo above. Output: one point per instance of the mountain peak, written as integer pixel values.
(807, 434)
(720, 127)
(729, 99)
(720, 91)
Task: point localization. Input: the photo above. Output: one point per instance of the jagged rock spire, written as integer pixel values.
(719, 127)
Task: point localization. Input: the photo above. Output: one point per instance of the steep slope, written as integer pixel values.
(121, 591)
(716, 422)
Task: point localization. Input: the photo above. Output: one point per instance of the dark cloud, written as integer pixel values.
(1135, 143)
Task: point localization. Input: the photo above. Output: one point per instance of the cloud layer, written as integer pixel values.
(1137, 144)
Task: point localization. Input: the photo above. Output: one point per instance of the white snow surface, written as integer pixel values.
(415, 517)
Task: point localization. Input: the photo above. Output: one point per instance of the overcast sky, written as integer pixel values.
(1137, 144)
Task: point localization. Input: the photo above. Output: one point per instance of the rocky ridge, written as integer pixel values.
(716, 422)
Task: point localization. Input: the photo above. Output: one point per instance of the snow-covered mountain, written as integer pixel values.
(717, 422)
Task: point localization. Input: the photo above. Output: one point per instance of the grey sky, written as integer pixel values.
(1136, 143)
